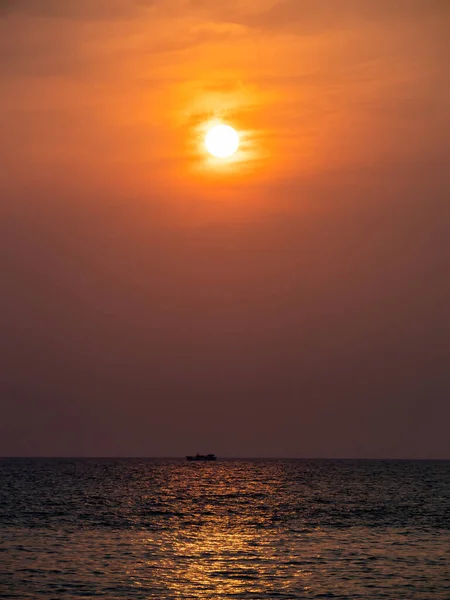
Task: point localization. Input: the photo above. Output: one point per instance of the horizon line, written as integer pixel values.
(177, 457)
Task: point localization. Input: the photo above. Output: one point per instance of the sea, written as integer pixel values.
(241, 529)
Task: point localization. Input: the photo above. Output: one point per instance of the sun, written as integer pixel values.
(222, 141)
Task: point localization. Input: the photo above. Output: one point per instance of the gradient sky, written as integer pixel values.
(293, 301)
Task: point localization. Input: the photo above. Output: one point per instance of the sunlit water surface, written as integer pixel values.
(132, 528)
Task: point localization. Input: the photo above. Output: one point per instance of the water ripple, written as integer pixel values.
(118, 529)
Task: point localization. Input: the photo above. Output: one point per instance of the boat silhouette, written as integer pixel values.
(202, 457)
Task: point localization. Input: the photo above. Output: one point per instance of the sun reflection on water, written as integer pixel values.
(214, 562)
(223, 550)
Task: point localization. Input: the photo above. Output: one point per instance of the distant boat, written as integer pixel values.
(202, 457)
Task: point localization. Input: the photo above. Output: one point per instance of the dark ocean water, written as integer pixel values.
(141, 528)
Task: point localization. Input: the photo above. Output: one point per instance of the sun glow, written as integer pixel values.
(222, 141)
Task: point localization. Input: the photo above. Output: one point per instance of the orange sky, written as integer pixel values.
(121, 90)
(327, 230)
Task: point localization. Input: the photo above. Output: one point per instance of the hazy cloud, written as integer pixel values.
(312, 16)
(76, 9)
